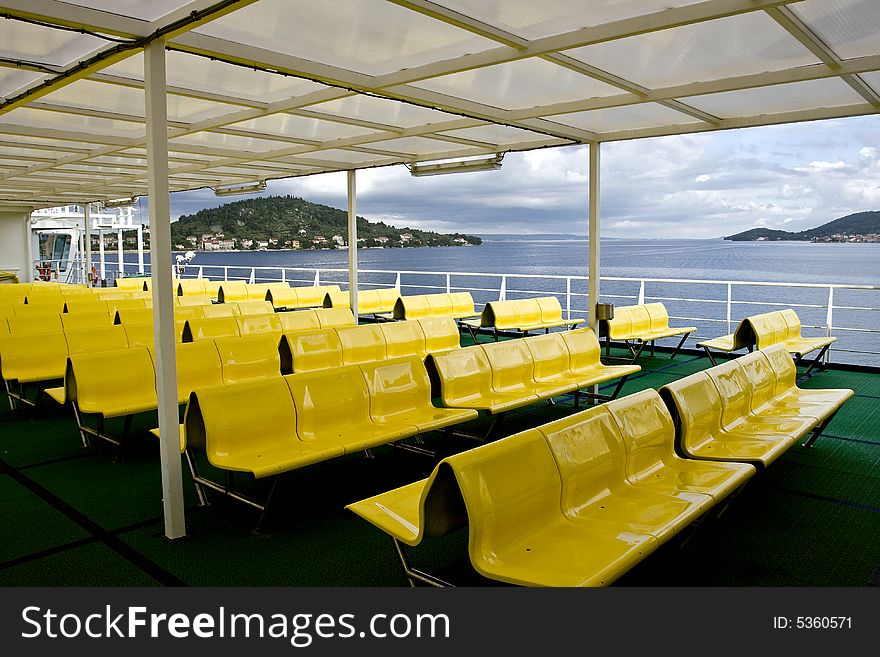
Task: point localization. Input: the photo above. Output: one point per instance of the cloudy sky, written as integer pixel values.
(790, 177)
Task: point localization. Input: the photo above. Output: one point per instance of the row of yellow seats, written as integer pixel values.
(457, 305)
(749, 408)
(370, 302)
(122, 382)
(308, 417)
(644, 322)
(575, 502)
(219, 324)
(289, 298)
(500, 376)
(304, 351)
(523, 315)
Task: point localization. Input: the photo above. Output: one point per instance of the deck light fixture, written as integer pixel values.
(245, 188)
(120, 202)
(457, 166)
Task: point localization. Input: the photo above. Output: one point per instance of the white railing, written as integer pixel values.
(849, 312)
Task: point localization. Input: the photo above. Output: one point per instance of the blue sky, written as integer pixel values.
(791, 177)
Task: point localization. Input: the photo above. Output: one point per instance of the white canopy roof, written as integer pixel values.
(265, 89)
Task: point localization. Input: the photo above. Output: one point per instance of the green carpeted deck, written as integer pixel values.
(73, 516)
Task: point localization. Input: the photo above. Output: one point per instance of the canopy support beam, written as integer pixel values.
(163, 302)
(352, 244)
(593, 271)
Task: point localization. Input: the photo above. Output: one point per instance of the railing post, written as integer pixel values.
(283, 275)
(828, 319)
(397, 282)
(253, 276)
(200, 272)
(448, 283)
(568, 297)
(317, 278)
(729, 305)
(641, 293)
(502, 293)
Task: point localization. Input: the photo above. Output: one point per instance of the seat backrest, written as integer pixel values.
(191, 302)
(85, 304)
(792, 323)
(584, 351)
(191, 287)
(283, 297)
(240, 418)
(95, 380)
(462, 304)
(397, 385)
(640, 320)
(312, 296)
(299, 320)
(198, 366)
(142, 335)
(259, 325)
(231, 291)
(528, 312)
(42, 306)
(404, 338)
(248, 357)
(387, 299)
(361, 344)
(761, 377)
(441, 334)
(254, 307)
(412, 306)
(780, 329)
(220, 310)
(127, 303)
(734, 389)
(551, 310)
(134, 316)
(330, 404)
(659, 318)
(136, 283)
(590, 456)
(369, 302)
(27, 353)
(84, 320)
(511, 489)
(337, 299)
(306, 351)
(695, 404)
(439, 305)
(260, 291)
(743, 335)
(647, 431)
(783, 367)
(512, 366)
(463, 373)
(620, 326)
(188, 312)
(549, 355)
(34, 324)
(90, 340)
(763, 330)
(500, 314)
(333, 317)
(209, 328)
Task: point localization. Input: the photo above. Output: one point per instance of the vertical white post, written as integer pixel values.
(729, 307)
(829, 320)
(502, 293)
(317, 281)
(101, 256)
(397, 282)
(83, 269)
(641, 299)
(88, 238)
(593, 271)
(253, 277)
(352, 246)
(568, 297)
(121, 266)
(163, 301)
(140, 237)
(448, 283)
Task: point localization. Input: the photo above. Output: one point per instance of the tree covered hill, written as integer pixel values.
(860, 224)
(283, 222)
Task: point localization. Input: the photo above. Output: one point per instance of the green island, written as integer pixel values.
(289, 222)
(858, 227)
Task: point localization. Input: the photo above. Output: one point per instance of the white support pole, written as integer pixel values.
(593, 271)
(119, 237)
(88, 237)
(641, 299)
(140, 237)
(163, 301)
(352, 245)
(101, 256)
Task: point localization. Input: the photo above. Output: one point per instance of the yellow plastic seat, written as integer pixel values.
(648, 433)
(696, 405)
(231, 291)
(763, 402)
(462, 305)
(112, 383)
(401, 512)
(248, 357)
(307, 351)
(821, 403)
(210, 328)
(337, 299)
(35, 323)
(592, 461)
(439, 305)
(551, 363)
(333, 408)
(283, 298)
(42, 307)
(220, 310)
(133, 316)
(551, 313)
(86, 304)
(361, 344)
(250, 427)
(334, 317)
(254, 307)
(404, 338)
(260, 291)
(188, 312)
(370, 302)
(313, 296)
(31, 357)
(441, 334)
(84, 320)
(516, 533)
(584, 359)
(796, 343)
(135, 284)
(501, 315)
(513, 371)
(198, 366)
(116, 305)
(142, 335)
(298, 320)
(87, 340)
(259, 325)
(466, 382)
(195, 301)
(191, 287)
(400, 393)
(413, 306)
